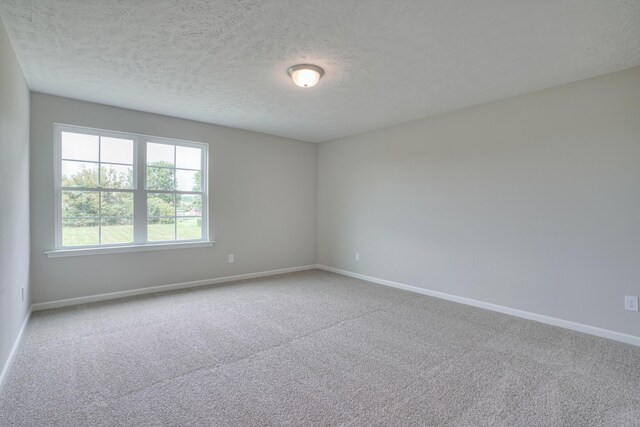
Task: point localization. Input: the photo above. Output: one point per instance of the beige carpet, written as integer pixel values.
(311, 348)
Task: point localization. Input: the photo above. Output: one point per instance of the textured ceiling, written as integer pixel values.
(386, 62)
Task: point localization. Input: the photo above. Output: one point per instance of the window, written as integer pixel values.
(117, 189)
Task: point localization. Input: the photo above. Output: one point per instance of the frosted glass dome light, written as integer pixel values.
(305, 75)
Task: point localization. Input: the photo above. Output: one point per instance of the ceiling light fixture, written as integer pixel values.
(305, 75)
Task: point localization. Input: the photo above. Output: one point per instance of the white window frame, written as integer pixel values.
(139, 192)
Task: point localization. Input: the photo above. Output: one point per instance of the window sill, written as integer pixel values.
(63, 253)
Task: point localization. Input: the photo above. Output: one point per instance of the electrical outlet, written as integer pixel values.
(232, 258)
(631, 303)
(357, 256)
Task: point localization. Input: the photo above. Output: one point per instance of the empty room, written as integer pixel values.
(327, 213)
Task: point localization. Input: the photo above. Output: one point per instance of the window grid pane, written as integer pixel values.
(116, 176)
(189, 228)
(116, 150)
(78, 204)
(188, 158)
(116, 230)
(161, 178)
(161, 229)
(79, 146)
(80, 232)
(116, 204)
(79, 174)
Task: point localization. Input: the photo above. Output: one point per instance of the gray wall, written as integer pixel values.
(531, 202)
(14, 197)
(262, 205)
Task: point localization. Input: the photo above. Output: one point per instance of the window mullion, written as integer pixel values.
(204, 194)
(175, 197)
(57, 167)
(139, 198)
(99, 190)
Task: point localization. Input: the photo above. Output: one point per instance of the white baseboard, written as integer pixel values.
(567, 324)
(163, 288)
(14, 349)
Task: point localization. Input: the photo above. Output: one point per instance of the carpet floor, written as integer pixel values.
(311, 348)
